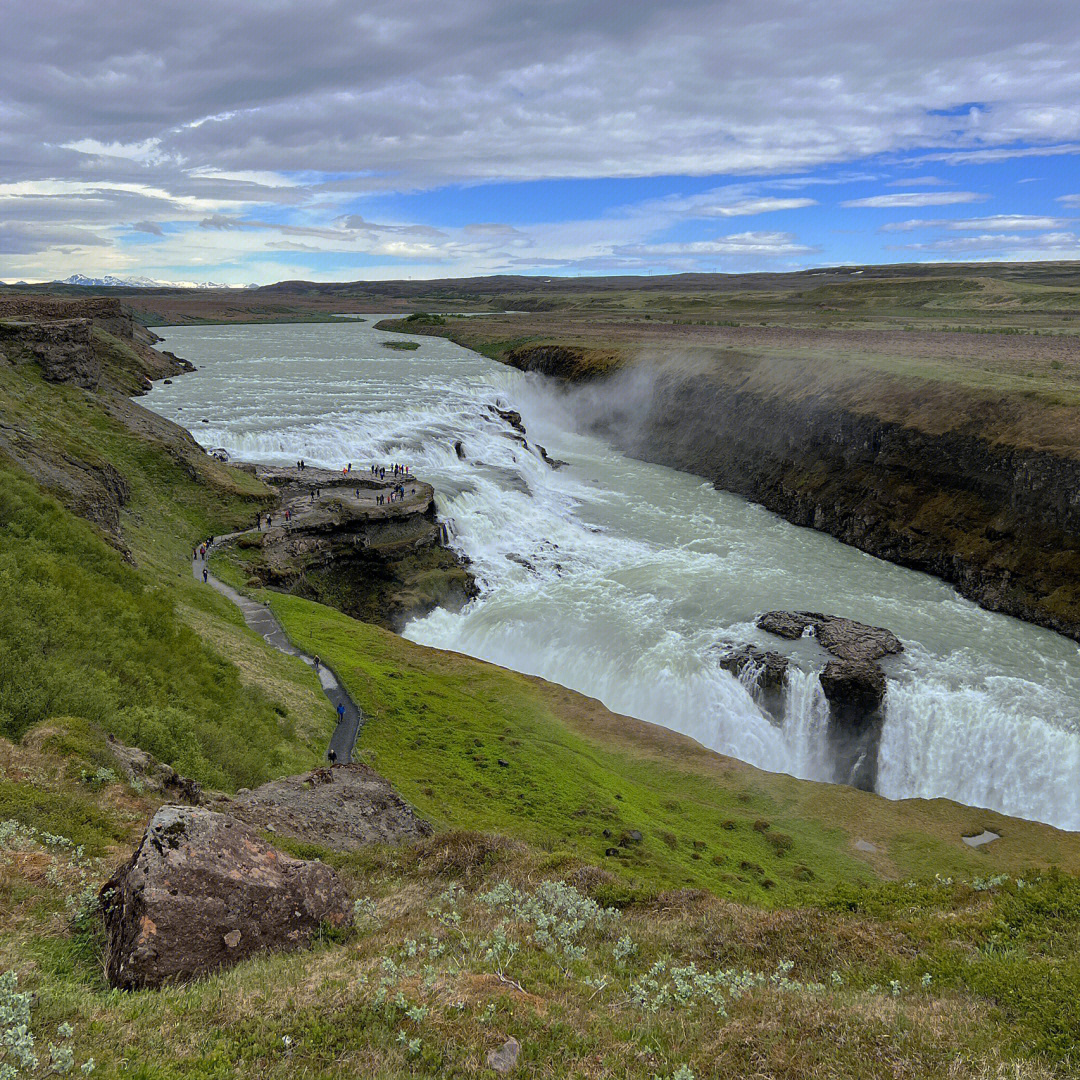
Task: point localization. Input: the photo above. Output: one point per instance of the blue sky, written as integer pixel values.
(242, 141)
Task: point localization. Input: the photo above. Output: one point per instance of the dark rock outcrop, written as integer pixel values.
(511, 416)
(855, 690)
(555, 463)
(853, 684)
(765, 672)
(203, 892)
(63, 349)
(570, 362)
(384, 564)
(844, 638)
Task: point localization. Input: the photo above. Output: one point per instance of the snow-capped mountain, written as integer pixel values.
(114, 282)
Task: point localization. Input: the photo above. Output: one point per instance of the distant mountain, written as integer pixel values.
(110, 281)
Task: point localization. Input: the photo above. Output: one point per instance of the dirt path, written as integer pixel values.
(262, 620)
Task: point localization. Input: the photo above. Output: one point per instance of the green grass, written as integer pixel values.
(86, 633)
(84, 636)
(440, 722)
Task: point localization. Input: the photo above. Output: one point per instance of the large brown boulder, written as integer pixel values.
(204, 891)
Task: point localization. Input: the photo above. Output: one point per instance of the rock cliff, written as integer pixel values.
(352, 548)
(1000, 522)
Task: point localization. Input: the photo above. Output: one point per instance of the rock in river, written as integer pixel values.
(204, 891)
(846, 639)
(764, 673)
(854, 688)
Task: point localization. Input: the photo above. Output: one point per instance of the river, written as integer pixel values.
(618, 578)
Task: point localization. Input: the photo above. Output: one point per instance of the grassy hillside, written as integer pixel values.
(106, 635)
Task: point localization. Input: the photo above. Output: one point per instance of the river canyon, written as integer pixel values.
(624, 579)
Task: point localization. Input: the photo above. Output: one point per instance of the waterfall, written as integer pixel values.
(617, 578)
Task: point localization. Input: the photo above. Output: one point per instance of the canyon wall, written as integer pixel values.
(1000, 522)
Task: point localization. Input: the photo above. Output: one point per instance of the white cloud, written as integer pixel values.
(147, 152)
(261, 178)
(1049, 245)
(746, 207)
(994, 223)
(1069, 200)
(320, 105)
(906, 199)
(1006, 153)
(769, 244)
(918, 181)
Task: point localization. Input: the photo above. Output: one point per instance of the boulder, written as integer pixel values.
(204, 891)
(853, 687)
(343, 807)
(846, 639)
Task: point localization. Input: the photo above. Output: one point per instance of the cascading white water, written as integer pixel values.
(617, 578)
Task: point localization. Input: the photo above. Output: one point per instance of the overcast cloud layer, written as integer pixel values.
(258, 141)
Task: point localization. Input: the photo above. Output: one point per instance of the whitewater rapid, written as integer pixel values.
(619, 578)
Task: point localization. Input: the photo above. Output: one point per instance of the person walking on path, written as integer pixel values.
(204, 575)
(316, 661)
(331, 755)
(340, 712)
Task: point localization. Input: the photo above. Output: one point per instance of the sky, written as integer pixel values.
(252, 142)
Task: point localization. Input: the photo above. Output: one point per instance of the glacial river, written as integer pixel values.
(617, 578)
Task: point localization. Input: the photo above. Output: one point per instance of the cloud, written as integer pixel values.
(994, 223)
(918, 181)
(322, 104)
(1049, 245)
(151, 227)
(1069, 200)
(906, 199)
(714, 205)
(17, 238)
(147, 152)
(1006, 153)
(767, 244)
